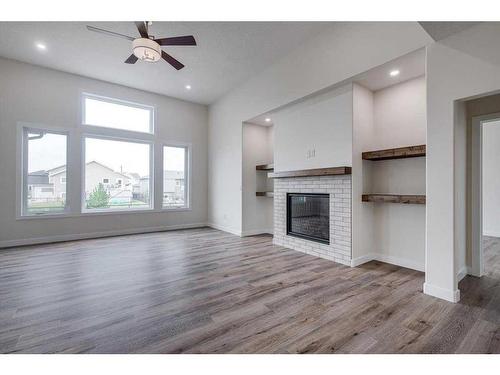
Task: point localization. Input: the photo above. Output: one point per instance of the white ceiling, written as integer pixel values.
(480, 41)
(411, 65)
(439, 30)
(227, 54)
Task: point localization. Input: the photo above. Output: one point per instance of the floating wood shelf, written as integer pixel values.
(393, 198)
(312, 172)
(265, 167)
(268, 194)
(395, 153)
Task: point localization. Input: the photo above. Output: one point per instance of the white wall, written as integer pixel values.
(451, 75)
(460, 159)
(341, 52)
(391, 117)
(399, 229)
(44, 96)
(400, 120)
(315, 133)
(257, 149)
(400, 115)
(362, 213)
(491, 179)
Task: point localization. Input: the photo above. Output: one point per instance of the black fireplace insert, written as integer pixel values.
(308, 216)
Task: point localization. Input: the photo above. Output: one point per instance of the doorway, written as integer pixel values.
(485, 173)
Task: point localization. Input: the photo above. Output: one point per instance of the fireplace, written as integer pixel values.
(308, 216)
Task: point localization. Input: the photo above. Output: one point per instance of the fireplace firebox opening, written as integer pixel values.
(308, 216)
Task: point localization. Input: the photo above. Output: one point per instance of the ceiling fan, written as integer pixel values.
(147, 48)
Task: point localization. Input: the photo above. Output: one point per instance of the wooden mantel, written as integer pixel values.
(312, 172)
(395, 153)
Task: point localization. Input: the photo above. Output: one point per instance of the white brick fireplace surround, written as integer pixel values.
(339, 189)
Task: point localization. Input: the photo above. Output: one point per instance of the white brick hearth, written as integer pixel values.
(339, 188)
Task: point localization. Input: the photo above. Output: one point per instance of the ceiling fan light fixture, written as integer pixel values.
(146, 50)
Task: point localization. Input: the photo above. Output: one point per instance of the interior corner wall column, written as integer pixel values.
(451, 75)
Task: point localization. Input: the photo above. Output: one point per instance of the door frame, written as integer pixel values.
(477, 266)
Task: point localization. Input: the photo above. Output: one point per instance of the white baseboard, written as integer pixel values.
(236, 232)
(363, 259)
(83, 236)
(464, 271)
(402, 262)
(254, 232)
(446, 294)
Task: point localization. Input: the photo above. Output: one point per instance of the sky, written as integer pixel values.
(47, 152)
(111, 115)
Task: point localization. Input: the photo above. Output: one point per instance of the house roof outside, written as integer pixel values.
(61, 169)
(56, 170)
(38, 178)
(134, 175)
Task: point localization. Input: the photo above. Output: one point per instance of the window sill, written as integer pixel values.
(102, 213)
(43, 216)
(115, 212)
(163, 209)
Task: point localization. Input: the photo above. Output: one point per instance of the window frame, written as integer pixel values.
(85, 211)
(187, 175)
(127, 103)
(75, 160)
(23, 130)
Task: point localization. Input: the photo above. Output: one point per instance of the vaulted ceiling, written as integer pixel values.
(227, 54)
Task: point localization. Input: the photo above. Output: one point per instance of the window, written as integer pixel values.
(109, 160)
(116, 114)
(119, 181)
(44, 153)
(175, 162)
(63, 180)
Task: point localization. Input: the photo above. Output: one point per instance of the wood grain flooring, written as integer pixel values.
(206, 291)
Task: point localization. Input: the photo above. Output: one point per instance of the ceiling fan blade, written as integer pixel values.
(176, 64)
(141, 26)
(187, 40)
(132, 59)
(110, 33)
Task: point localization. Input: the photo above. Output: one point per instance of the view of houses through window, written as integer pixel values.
(45, 159)
(174, 187)
(116, 174)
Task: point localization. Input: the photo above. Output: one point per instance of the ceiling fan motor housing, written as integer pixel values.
(146, 49)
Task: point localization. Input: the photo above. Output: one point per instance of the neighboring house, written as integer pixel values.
(135, 180)
(51, 184)
(117, 184)
(39, 187)
(57, 177)
(173, 186)
(122, 187)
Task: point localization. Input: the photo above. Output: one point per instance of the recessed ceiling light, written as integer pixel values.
(394, 73)
(41, 46)
(268, 119)
(188, 87)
